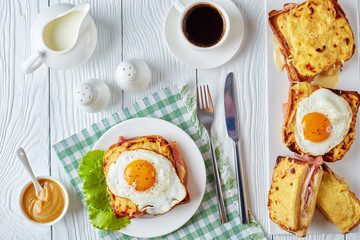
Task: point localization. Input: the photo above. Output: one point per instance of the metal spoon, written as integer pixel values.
(20, 153)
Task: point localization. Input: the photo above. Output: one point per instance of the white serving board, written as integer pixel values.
(278, 85)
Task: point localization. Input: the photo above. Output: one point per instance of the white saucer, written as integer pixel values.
(211, 58)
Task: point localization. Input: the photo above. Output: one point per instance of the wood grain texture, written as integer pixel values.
(66, 118)
(24, 119)
(143, 23)
(251, 91)
(38, 110)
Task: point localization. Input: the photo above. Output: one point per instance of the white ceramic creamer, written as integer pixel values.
(64, 36)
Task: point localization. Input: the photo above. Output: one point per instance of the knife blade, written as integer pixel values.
(232, 123)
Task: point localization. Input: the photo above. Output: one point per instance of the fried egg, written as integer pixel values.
(322, 121)
(148, 179)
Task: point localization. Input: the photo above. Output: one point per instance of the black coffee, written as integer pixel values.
(203, 25)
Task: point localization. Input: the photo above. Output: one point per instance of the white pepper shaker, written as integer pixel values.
(92, 95)
(133, 75)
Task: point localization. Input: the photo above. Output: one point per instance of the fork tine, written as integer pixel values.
(197, 97)
(209, 97)
(205, 98)
(202, 98)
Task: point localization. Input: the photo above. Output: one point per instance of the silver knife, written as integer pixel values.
(232, 123)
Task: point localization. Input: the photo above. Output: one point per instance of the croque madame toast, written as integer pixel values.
(337, 202)
(313, 37)
(123, 207)
(290, 203)
(299, 91)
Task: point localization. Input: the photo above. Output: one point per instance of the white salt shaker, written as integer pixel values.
(92, 95)
(133, 75)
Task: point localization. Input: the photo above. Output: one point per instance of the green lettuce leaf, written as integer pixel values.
(92, 161)
(105, 220)
(95, 192)
(96, 196)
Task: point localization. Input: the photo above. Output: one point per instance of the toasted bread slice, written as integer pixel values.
(299, 91)
(285, 191)
(336, 201)
(313, 37)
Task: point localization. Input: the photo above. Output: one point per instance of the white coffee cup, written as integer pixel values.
(184, 12)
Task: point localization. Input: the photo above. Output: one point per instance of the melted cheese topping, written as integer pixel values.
(327, 81)
(278, 57)
(317, 36)
(338, 203)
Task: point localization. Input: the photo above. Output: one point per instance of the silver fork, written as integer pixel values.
(205, 113)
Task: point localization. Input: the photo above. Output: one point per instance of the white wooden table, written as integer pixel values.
(38, 110)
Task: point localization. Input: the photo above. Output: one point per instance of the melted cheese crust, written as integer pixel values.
(337, 202)
(318, 36)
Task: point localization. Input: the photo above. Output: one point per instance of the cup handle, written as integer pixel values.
(32, 63)
(179, 5)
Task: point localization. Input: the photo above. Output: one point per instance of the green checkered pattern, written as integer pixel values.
(179, 108)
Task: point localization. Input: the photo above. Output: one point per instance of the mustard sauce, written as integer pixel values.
(48, 206)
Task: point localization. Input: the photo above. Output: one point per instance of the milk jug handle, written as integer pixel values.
(32, 63)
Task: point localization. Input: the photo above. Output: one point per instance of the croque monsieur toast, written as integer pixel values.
(337, 202)
(292, 130)
(292, 195)
(313, 37)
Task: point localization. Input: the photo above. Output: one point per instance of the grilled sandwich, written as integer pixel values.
(336, 201)
(314, 37)
(293, 192)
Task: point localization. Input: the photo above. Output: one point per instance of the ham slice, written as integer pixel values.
(307, 193)
(307, 190)
(138, 214)
(317, 161)
(284, 108)
(180, 167)
(179, 161)
(121, 139)
(289, 6)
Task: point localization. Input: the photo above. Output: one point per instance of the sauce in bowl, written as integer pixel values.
(50, 204)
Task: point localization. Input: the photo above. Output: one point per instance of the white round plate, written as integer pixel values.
(211, 58)
(153, 226)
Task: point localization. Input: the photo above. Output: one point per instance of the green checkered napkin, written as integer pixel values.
(179, 108)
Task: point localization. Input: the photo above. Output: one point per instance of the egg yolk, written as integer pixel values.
(316, 127)
(140, 174)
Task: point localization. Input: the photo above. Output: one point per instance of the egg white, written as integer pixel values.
(166, 192)
(335, 108)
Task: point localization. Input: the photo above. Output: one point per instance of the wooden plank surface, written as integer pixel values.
(24, 117)
(144, 39)
(38, 110)
(66, 118)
